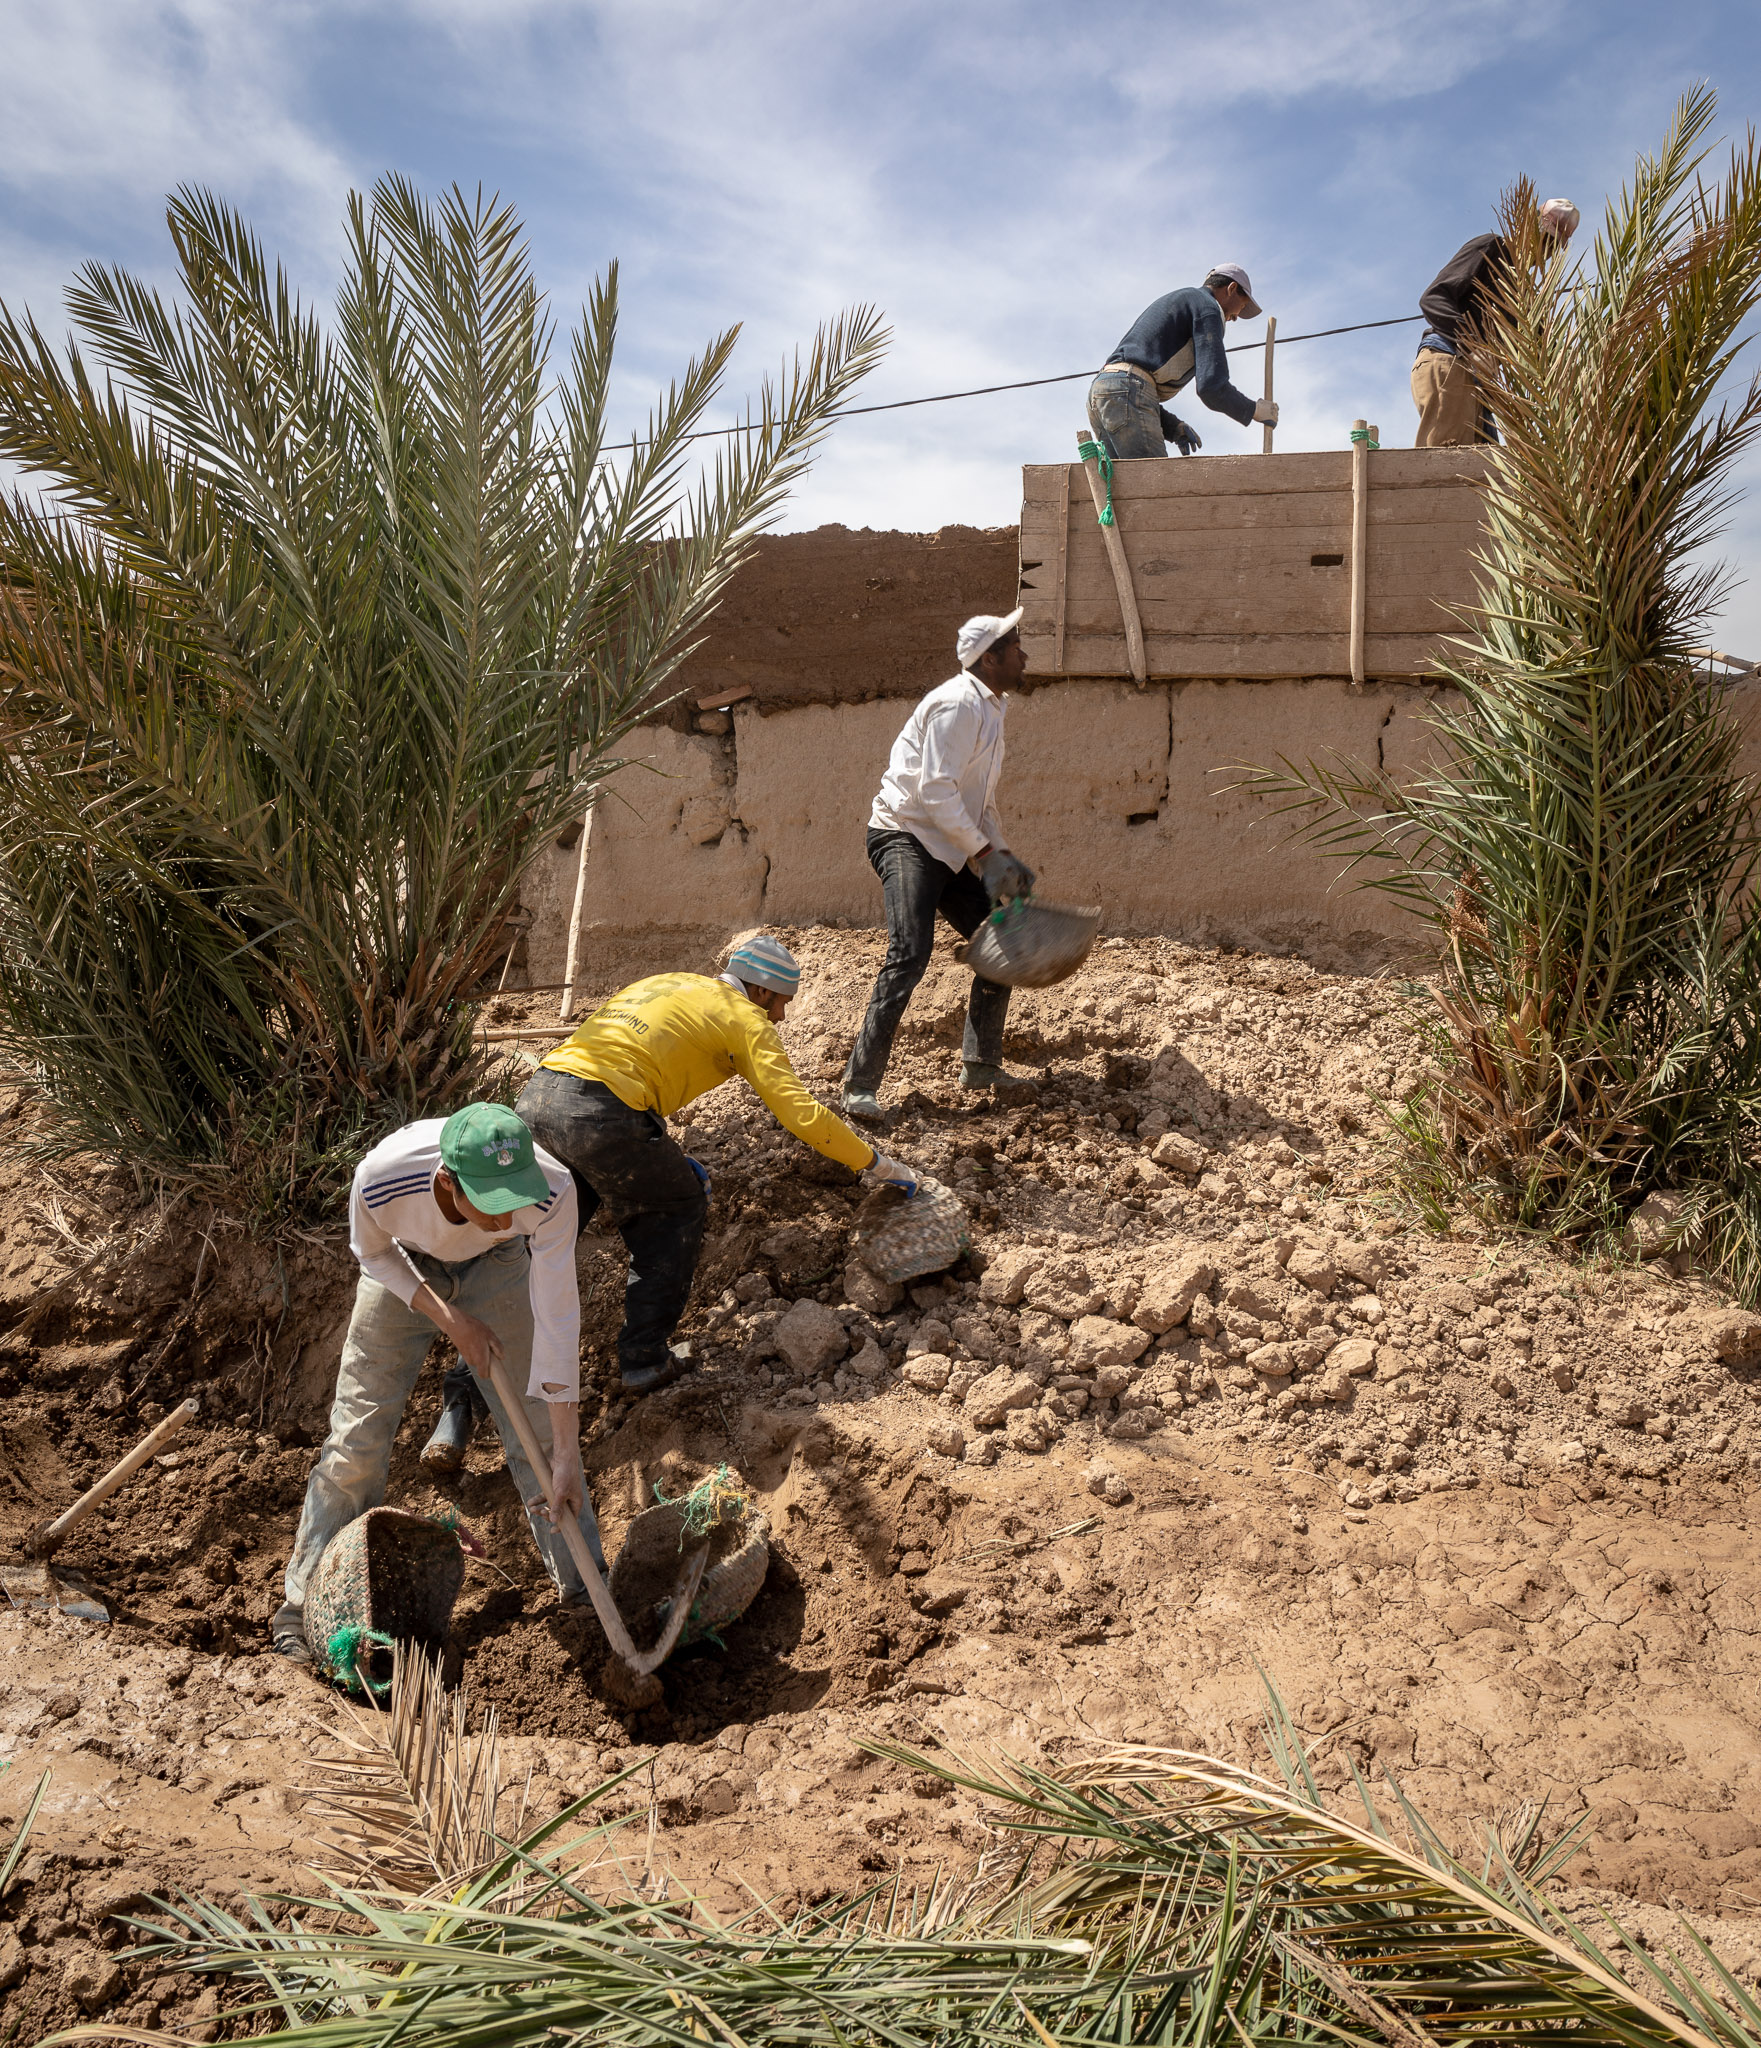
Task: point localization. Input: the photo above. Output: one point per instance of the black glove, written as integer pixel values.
(1004, 876)
(1177, 431)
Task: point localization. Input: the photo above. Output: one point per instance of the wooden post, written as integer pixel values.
(1362, 436)
(1121, 567)
(1060, 573)
(1271, 337)
(573, 960)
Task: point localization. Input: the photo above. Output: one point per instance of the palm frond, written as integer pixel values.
(411, 1807)
(317, 633)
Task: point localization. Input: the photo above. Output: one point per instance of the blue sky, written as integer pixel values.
(1010, 182)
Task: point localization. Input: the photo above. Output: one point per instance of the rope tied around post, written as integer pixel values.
(1365, 436)
(1092, 451)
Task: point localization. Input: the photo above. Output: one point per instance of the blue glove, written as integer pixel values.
(1177, 431)
(702, 1172)
(885, 1172)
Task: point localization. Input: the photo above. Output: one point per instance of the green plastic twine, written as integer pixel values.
(1363, 434)
(1093, 451)
(344, 1648)
(712, 1501)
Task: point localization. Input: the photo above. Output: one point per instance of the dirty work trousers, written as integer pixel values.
(1123, 412)
(381, 1357)
(1452, 412)
(916, 886)
(624, 1158)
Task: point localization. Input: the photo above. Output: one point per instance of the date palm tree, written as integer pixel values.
(310, 633)
(1586, 852)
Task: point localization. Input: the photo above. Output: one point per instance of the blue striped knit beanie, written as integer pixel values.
(766, 963)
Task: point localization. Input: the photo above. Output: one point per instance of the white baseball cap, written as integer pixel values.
(1236, 275)
(983, 632)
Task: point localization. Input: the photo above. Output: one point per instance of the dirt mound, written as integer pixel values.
(1196, 1405)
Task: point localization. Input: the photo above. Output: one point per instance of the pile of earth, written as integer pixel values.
(1200, 1402)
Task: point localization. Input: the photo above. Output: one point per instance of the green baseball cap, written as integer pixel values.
(488, 1151)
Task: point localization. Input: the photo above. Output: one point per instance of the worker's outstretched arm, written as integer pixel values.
(760, 1058)
(1210, 363)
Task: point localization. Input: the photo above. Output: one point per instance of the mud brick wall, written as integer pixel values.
(1117, 795)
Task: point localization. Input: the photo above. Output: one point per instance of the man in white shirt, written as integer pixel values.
(466, 1227)
(936, 843)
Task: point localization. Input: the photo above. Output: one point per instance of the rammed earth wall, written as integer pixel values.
(1116, 795)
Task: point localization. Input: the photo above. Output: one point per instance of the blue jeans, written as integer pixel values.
(916, 886)
(1125, 416)
(625, 1157)
(382, 1357)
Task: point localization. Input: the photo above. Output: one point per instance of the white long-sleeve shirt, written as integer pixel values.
(941, 779)
(393, 1211)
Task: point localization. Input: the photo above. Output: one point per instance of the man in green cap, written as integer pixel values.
(466, 1227)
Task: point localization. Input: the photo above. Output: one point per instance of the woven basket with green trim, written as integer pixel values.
(388, 1577)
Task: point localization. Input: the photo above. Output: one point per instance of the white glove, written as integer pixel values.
(1266, 412)
(885, 1172)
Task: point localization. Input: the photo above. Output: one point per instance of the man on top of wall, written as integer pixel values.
(936, 842)
(1452, 407)
(1175, 342)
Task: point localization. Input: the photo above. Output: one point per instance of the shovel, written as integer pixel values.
(642, 1662)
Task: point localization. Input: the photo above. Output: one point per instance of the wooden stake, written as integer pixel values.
(1360, 542)
(573, 960)
(1271, 338)
(1121, 567)
(47, 1539)
(1060, 573)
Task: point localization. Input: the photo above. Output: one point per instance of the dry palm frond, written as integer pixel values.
(1151, 1896)
(411, 1808)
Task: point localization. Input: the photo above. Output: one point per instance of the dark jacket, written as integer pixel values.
(1178, 340)
(1456, 296)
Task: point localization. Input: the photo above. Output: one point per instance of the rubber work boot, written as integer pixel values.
(649, 1379)
(858, 1102)
(287, 1634)
(445, 1449)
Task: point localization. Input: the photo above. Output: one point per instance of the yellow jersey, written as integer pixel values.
(663, 1042)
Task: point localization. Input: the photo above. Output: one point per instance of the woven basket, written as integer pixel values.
(656, 1550)
(389, 1572)
(1030, 944)
(900, 1237)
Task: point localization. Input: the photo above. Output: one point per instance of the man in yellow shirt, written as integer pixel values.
(599, 1103)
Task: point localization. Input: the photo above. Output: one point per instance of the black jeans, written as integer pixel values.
(624, 1157)
(916, 885)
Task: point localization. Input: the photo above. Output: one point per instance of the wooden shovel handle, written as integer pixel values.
(641, 1662)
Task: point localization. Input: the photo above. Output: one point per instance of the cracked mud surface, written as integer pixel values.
(1199, 1403)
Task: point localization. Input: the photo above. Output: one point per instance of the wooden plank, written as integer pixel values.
(1230, 476)
(1274, 611)
(1360, 542)
(1194, 577)
(1219, 657)
(1448, 505)
(1063, 550)
(1100, 492)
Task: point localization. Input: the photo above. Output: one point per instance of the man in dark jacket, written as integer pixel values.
(1452, 408)
(1174, 342)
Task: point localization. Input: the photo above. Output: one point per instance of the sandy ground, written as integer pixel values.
(1199, 1404)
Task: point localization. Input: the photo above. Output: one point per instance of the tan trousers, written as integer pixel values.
(1448, 399)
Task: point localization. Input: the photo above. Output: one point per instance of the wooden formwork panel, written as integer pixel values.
(1241, 564)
